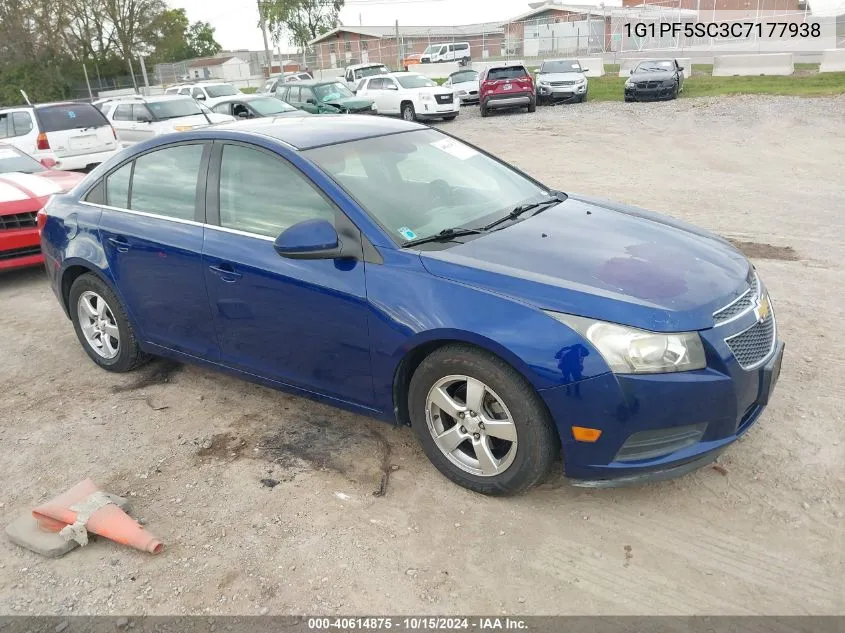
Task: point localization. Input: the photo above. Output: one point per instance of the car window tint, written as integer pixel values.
(140, 112)
(123, 113)
(264, 195)
(22, 123)
(197, 93)
(506, 73)
(222, 108)
(70, 117)
(117, 187)
(165, 181)
(6, 128)
(306, 94)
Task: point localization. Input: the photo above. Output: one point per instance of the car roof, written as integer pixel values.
(315, 82)
(367, 65)
(316, 131)
(247, 97)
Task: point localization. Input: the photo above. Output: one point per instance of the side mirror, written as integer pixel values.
(631, 72)
(309, 239)
(243, 115)
(680, 68)
(200, 97)
(311, 101)
(145, 119)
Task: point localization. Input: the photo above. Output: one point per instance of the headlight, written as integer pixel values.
(425, 96)
(668, 83)
(544, 83)
(628, 350)
(462, 92)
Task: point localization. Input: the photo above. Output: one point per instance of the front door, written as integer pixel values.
(152, 235)
(300, 322)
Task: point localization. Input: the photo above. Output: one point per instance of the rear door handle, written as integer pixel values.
(120, 244)
(226, 272)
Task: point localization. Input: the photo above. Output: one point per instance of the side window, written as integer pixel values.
(293, 93)
(123, 113)
(165, 181)
(282, 93)
(450, 48)
(22, 123)
(262, 194)
(222, 108)
(117, 187)
(6, 129)
(197, 93)
(140, 112)
(184, 91)
(349, 76)
(375, 84)
(307, 94)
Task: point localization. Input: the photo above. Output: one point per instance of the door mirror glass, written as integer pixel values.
(311, 101)
(309, 239)
(680, 67)
(200, 97)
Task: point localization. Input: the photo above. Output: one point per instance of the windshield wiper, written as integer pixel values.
(556, 198)
(444, 236)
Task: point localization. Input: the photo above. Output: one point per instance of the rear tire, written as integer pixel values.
(516, 443)
(484, 111)
(532, 107)
(102, 326)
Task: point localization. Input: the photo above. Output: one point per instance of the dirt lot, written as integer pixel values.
(761, 533)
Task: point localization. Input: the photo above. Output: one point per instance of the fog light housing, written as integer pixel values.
(659, 442)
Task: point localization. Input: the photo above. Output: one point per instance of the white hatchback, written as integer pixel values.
(410, 95)
(142, 118)
(64, 135)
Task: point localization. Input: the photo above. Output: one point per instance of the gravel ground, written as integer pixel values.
(761, 533)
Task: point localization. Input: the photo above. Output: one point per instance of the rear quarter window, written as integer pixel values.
(512, 72)
(70, 117)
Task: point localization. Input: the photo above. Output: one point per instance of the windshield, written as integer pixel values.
(12, 159)
(561, 66)
(270, 105)
(652, 66)
(369, 71)
(434, 48)
(330, 92)
(416, 184)
(467, 75)
(415, 81)
(173, 109)
(223, 90)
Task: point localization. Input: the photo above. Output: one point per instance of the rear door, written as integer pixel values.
(145, 128)
(152, 233)
(124, 124)
(75, 129)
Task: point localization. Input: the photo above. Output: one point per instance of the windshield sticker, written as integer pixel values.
(407, 233)
(456, 149)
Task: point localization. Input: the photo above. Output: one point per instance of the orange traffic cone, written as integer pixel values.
(86, 507)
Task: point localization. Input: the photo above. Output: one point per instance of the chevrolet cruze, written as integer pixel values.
(398, 272)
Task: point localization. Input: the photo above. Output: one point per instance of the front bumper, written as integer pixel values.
(711, 408)
(434, 110)
(20, 248)
(561, 92)
(650, 94)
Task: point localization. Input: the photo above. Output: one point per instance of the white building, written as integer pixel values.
(223, 68)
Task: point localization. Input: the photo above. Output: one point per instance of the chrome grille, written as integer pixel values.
(648, 84)
(741, 305)
(441, 99)
(563, 83)
(754, 345)
(17, 221)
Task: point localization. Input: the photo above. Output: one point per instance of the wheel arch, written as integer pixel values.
(422, 347)
(72, 271)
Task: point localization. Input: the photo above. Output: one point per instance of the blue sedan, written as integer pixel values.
(393, 270)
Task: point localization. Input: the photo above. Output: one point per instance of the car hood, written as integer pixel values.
(350, 103)
(653, 75)
(561, 76)
(26, 193)
(605, 261)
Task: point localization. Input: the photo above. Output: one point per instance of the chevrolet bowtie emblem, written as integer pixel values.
(763, 309)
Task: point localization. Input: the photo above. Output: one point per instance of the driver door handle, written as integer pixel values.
(120, 244)
(226, 272)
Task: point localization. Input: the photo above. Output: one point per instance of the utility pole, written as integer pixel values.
(132, 72)
(268, 55)
(87, 83)
(144, 72)
(398, 49)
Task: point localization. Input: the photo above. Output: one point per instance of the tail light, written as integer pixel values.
(41, 219)
(43, 143)
(49, 163)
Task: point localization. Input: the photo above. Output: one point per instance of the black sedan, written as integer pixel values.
(255, 107)
(655, 79)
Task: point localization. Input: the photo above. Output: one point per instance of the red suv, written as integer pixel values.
(506, 86)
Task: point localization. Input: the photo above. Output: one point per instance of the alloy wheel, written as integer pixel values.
(471, 425)
(98, 325)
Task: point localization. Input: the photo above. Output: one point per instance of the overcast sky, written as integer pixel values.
(236, 21)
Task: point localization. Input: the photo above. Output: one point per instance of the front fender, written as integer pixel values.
(411, 307)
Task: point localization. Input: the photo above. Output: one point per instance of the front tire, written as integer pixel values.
(102, 326)
(480, 422)
(408, 112)
(451, 117)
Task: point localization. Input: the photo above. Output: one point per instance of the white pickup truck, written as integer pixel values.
(355, 73)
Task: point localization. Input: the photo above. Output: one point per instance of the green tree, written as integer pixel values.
(200, 40)
(170, 34)
(300, 20)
